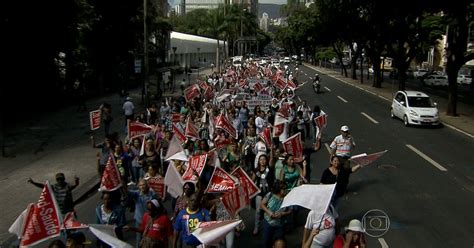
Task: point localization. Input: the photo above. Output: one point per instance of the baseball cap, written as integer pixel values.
(155, 203)
(355, 226)
(344, 128)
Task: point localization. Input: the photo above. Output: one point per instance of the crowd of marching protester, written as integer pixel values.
(238, 140)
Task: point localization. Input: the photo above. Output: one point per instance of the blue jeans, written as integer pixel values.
(271, 233)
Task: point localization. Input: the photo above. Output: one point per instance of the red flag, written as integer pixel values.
(136, 129)
(181, 137)
(258, 87)
(291, 84)
(221, 143)
(158, 185)
(221, 181)
(191, 130)
(364, 159)
(266, 136)
(250, 187)
(242, 83)
(94, 119)
(71, 223)
(280, 84)
(43, 220)
(195, 166)
(175, 117)
(284, 110)
(294, 147)
(111, 178)
(224, 123)
(235, 200)
(321, 121)
(203, 85)
(191, 92)
(209, 93)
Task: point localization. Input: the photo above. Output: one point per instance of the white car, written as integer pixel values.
(436, 80)
(287, 60)
(464, 79)
(420, 73)
(414, 108)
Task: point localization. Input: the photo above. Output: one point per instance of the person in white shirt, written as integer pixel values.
(128, 109)
(306, 115)
(342, 146)
(325, 227)
(260, 122)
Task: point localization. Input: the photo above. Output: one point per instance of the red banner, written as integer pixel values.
(294, 147)
(203, 85)
(70, 222)
(321, 121)
(258, 87)
(111, 178)
(221, 143)
(224, 123)
(280, 84)
(181, 137)
(158, 185)
(235, 200)
(242, 83)
(291, 84)
(136, 129)
(195, 166)
(266, 136)
(43, 220)
(250, 187)
(191, 92)
(191, 130)
(221, 181)
(209, 93)
(94, 119)
(364, 159)
(175, 117)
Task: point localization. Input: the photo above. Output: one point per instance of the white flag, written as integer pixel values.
(17, 226)
(174, 147)
(210, 233)
(106, 233)
(173, 181)
(315, 197)
(179, 156)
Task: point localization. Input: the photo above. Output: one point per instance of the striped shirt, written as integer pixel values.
(343, 146)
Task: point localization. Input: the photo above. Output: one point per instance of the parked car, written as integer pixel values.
(435, 80)
(464, 79)
(414, 108)
(420, 73)
(287, 60)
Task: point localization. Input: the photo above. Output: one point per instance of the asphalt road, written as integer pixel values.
(427, 207)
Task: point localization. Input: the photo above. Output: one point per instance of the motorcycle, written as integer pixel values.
(317, 85)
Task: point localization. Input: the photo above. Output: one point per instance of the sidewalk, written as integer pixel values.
(463, 123)
(57, 142)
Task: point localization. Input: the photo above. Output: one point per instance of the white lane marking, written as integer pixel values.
(383, 243)
(342, 99)
(327, 88)
(327, 147)
(370, 118)
(384, 98)
(431, 161)
(311, 78)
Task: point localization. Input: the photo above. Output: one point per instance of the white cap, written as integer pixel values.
(344, 128)
(355, 226)
(155, 203)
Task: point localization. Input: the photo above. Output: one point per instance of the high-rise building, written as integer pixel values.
(264, 22)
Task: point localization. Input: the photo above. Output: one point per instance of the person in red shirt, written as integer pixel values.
(156, 226)
(354, 237)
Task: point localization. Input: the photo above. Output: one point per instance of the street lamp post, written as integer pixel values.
(145, 51)
(174, 63)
